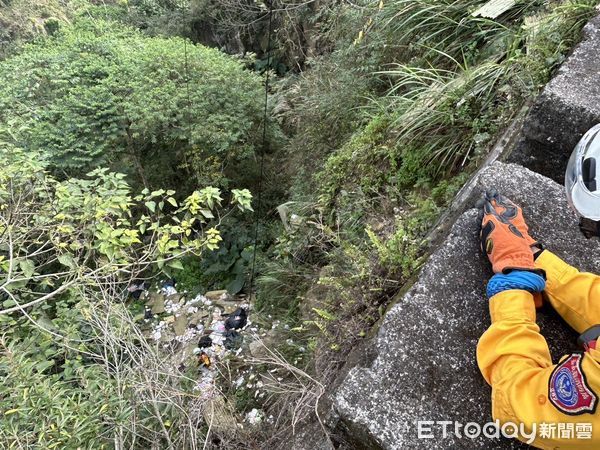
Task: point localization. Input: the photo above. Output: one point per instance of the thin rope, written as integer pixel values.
(265, 145)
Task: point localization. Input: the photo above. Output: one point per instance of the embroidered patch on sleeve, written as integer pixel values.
(568, 389)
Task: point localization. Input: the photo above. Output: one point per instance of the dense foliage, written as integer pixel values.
(167, 111)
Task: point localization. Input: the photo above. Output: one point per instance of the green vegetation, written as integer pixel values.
(99, 94)
(23, 20)
(452, 88)
(122, 136)
(70, 354)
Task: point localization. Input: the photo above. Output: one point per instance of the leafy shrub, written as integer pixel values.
(54, 396)
(44, 410)
(224, 268)
(101, 94)
(64, 243)
(362, 162)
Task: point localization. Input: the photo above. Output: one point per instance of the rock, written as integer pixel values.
(567, 107)
(228, 306)
(425, 366)
(213, 296)
(156, 303)
(199, 318)
(257, 349)
(175, 298)
(311, 437)
(180, 325)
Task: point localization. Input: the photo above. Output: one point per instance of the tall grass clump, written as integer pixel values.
(457, 79)
(428, 29)
(480, 71)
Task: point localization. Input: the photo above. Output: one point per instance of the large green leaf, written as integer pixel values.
(236, 285)
(28, 267)
(66, 259)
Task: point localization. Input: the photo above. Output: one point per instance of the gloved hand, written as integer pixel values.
(504, 235)
(506, 241)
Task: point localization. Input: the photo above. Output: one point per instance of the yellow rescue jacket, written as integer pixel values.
(560, 399)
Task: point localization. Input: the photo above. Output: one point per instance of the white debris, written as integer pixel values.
(206, 387)
(219, 326)
(183, 323)
(168, 290)
(239, 381)
(254, 417)
(188, 335)
(157, 330)
(494, 8)
(171, 307)
(201, 299)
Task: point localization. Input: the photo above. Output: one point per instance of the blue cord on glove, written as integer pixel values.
(516, 279)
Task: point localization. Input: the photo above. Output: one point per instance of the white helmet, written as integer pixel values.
(582, 180)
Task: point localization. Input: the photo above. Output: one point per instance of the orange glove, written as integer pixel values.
(512, 212)
(504, 235)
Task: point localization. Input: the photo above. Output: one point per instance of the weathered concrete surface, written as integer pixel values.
(426, 368)
(567, 107)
